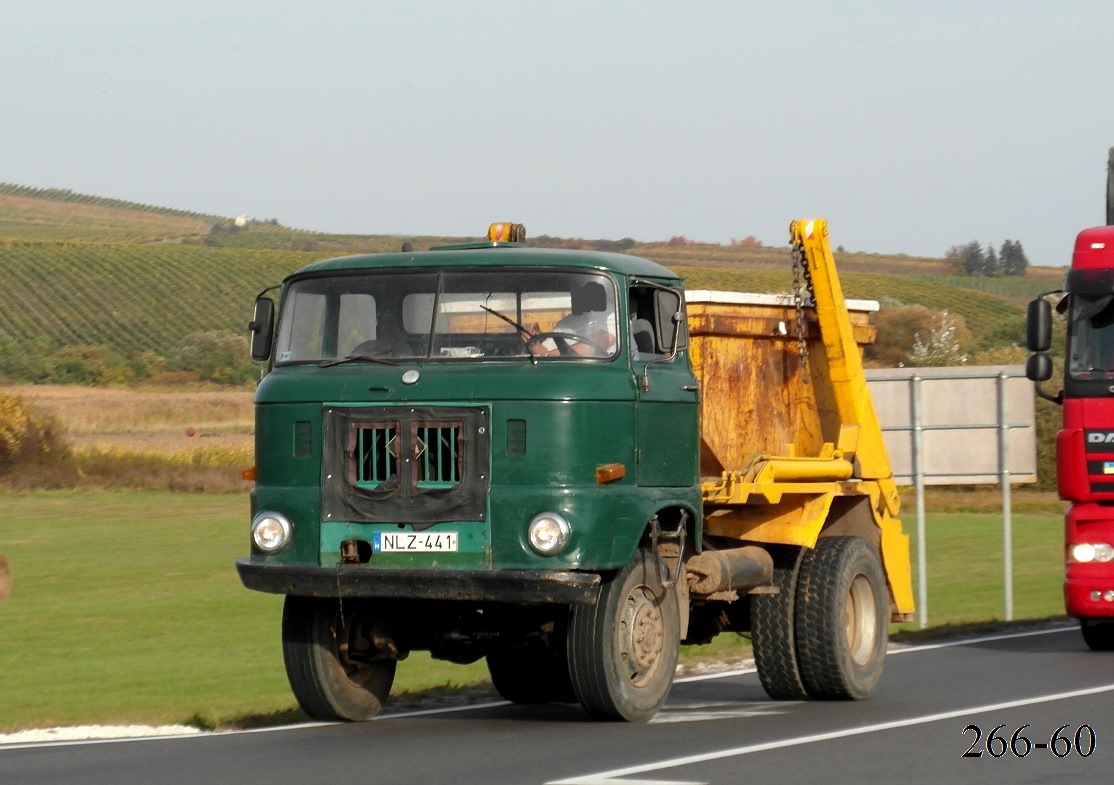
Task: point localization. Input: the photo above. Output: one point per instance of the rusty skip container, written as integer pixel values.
(746, 351)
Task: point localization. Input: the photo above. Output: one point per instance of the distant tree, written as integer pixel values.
(990, 264)
(680, 239)
(973, 259)
(942, 343)
(215, 356)
(911, 335)
(750, 241)
(1014, 262)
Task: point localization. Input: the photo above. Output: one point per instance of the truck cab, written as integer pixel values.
(484, 423)
(1085, 444)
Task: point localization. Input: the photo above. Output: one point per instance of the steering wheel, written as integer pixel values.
(562, 341)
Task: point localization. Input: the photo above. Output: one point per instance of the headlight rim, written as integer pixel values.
(564, 533)
(285, 525)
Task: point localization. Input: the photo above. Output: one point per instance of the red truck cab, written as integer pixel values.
(1085, 445)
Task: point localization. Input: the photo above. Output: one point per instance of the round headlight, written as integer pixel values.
(1103, 551)
(548, 533)
(271, 531)
(1083, 552)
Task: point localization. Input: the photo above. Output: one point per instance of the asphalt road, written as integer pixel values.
(935, 704)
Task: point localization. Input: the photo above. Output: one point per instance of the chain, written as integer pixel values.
(802, 281)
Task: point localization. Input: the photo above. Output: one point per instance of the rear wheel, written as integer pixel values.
(623, 650)
(329, 661)
(1098, 633)
(772, 620)
(842, 619)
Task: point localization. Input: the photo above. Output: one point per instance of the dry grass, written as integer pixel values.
(145, 419)
(133, 439)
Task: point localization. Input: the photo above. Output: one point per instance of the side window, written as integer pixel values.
(302, 336)
(652, 325)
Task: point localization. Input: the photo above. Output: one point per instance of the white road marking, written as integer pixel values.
(609, 777)
(10, 741)
(609, 781)
(724, 710)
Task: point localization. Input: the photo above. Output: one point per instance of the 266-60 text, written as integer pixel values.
(1000, 741)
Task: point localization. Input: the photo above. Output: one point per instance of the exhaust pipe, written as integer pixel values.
(735, 569)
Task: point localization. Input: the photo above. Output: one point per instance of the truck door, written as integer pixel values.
(668, 399)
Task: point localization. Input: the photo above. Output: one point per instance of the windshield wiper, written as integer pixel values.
(367, 358)
(526, 334)
(522, 330)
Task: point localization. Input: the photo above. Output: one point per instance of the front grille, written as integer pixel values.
(437, 451)
(434, 449)
(376, 454)
(406, 464)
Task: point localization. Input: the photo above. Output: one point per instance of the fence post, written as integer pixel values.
(918, 484)
(1004, 479)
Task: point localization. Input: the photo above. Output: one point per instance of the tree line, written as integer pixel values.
(972, 259)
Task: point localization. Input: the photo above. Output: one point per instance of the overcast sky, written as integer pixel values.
(911, 126)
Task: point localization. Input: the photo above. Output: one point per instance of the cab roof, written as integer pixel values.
(494, 255)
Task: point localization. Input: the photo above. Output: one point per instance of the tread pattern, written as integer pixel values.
(827, 669)
(596, 674)
(772, 630)
(317, 679)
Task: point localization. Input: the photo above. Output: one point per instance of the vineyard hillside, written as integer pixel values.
(82, 270)
(136, 298)
(131, 298)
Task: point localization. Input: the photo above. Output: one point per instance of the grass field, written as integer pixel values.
(126, 607)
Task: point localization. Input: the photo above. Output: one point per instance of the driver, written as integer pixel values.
(589, 319)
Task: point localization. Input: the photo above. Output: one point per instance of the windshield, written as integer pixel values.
(448, 314)
(1092, 337)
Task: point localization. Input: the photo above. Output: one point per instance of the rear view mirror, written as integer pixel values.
(1039, 367)
(1038, 325)
(262, 326)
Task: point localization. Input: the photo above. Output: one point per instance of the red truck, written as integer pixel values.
(1085, 445)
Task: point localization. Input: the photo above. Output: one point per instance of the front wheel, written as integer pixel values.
(1098, 633)
(842, 619)
(329, 661)
(623, 650)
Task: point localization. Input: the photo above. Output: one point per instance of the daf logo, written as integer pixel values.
(1100, 437)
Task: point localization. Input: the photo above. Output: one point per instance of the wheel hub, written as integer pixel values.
(641, 635)
(859, 620)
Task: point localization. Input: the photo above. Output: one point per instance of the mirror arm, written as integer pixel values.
(672, 354)
(1057, 399)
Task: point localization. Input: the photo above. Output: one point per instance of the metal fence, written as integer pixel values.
(958, 426)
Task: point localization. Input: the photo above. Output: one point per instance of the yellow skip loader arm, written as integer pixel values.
(787, 498)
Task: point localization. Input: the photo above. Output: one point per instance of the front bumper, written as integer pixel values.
(529, 587)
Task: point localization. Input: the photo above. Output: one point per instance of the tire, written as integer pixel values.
(772, 620)
(328, 685)
(622, 651)
(1098, 633)
(842, 619)
(531, 675)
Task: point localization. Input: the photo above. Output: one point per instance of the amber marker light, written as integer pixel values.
(610, 472)
(248, 474)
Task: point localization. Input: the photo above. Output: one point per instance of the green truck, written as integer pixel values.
(495, 451)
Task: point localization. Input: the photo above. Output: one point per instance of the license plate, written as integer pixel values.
(414, 542)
